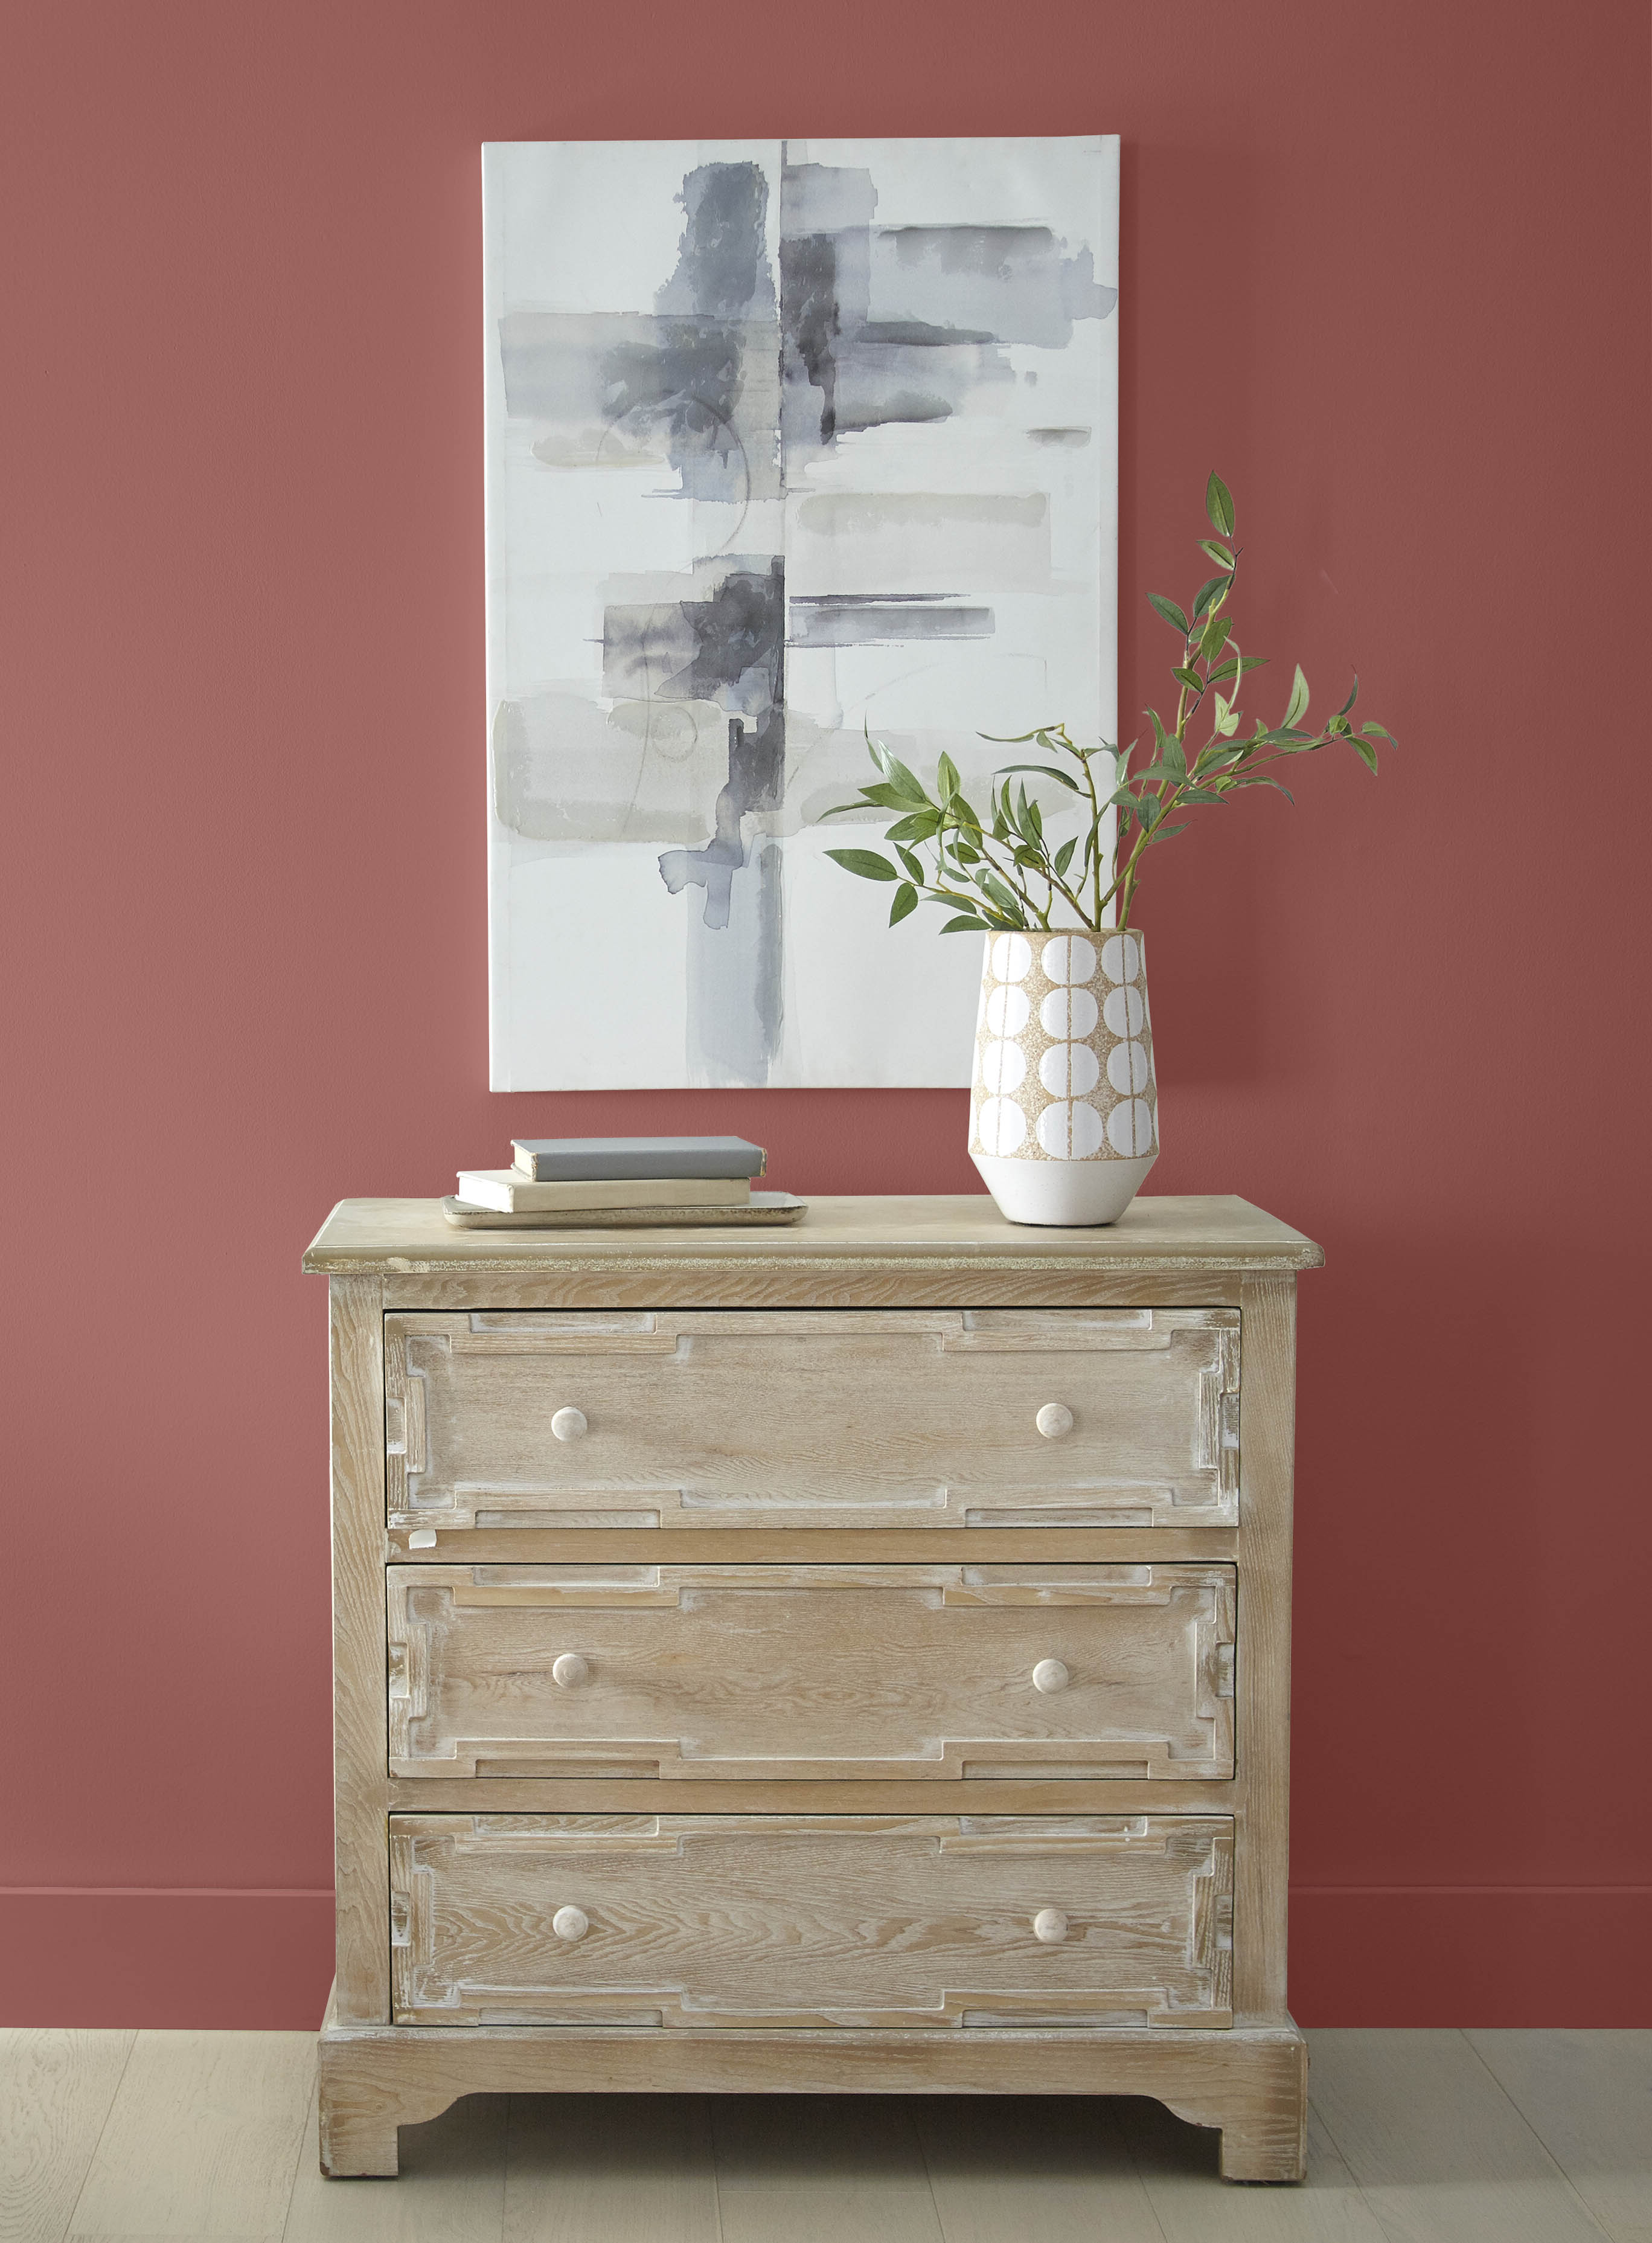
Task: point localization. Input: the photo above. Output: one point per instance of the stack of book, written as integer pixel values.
(604, 1182)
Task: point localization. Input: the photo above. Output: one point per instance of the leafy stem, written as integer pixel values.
(988, 871)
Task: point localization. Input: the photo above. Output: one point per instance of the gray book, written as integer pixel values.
(555, 1160)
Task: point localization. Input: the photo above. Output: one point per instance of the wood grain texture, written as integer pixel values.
(1248, 2077)
(845, 1418)
(453, 2186)
(1179, 2165)
(1588, 2096)
(1439, 2150)
(611, 2169)
(380, 1236)
(1104, 1546)
(810, 1921)
(201, 2138)
(1263, 1674)
(362, 1981)
(811, 1671)
(1019, 1795)
(55, 2089)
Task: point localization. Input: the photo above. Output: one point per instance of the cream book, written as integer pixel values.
(509, 1192)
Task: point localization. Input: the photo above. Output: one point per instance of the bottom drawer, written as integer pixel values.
(811, 1920)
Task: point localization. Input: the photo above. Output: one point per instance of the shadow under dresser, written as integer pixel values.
(852, 1657)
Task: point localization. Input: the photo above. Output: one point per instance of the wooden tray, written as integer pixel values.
(765, 1208)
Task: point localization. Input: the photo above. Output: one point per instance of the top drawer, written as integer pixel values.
(718, 1418)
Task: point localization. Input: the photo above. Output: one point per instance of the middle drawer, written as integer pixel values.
(811, 1672)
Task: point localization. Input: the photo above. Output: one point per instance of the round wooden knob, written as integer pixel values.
(1053, 1420)
(570, 1670)
(1049, 1925)
(573, 1923)
(569, 1424)
(1048, 1674)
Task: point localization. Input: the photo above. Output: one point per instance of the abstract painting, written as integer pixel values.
(787, 442)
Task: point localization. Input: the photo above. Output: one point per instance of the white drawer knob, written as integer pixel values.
(1053, 1421)
(569, 1671)
(422, 1538)
(569, 1425)
(573, 1923)
(1050, 1674)
(1049, 1925)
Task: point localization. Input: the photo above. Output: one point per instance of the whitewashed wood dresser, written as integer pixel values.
(847, 1658)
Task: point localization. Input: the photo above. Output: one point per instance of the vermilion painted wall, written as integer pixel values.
(1385, 266)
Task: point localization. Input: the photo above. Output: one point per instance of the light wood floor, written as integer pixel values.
(1416, 2138)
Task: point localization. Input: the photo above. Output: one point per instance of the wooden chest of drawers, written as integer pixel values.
(852, 1657)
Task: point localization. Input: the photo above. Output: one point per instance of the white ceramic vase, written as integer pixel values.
(1063, 1103)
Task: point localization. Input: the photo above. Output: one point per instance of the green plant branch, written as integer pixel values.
(988, 877)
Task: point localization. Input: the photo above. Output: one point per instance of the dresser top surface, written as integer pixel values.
(362, 1235)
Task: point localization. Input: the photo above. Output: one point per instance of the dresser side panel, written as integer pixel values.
(1262, 1679)
(360, 1804)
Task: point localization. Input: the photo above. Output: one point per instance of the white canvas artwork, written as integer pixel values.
(787, 442)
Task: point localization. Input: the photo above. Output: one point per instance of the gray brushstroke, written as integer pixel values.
(825, 198)
(1071, 439)
(722, 260)
(606, 387)
(736, 1003)
(842, 622)
(832, 514)
(1012, 282)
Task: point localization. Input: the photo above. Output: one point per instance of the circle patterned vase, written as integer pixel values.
(1064, 1102)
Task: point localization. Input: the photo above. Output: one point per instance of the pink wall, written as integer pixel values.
(1385, 266)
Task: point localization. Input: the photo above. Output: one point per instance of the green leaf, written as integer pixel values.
(1047, 770)
(1004, 896)
(1185, 675)
(1226, 670)
(1170, 612)
(1014, 739)
(964, 815)
(946, 774)
(1254, 662)
(1063, 855)
(1367, 754)
(923, 825)
(1298, 703)
(1147, 814)
(1198, 794)
(912, 864)
(1207, 593)
(1214, 637)
(1378, 731)
(1352, 699)
(905, 901)
(965, 853)
(963, 923)
(1262, 778)
(866, 864)
(907, 787)
(1219, 504)
(1227, 718)
(1222, 555)
(842, 809)
(887, 797)
(1168, 832)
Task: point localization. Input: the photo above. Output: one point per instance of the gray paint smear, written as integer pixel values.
(722, 260)
(840, 622)
(1071, 438)
(1013, 282)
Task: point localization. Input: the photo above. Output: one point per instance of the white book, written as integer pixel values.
(508, 1192)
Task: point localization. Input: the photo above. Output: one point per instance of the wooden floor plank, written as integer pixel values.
(1178, 2168)
(822, 2169)
(201, 2138)
(1441, 2152)
(1588, 2095)
(452, 2188)
(56, 2088)
(609, 2169)
(1006, 2168)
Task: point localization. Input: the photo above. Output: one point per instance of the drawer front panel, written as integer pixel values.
(789, 1418)
(811, 1920)
(811, 1671)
